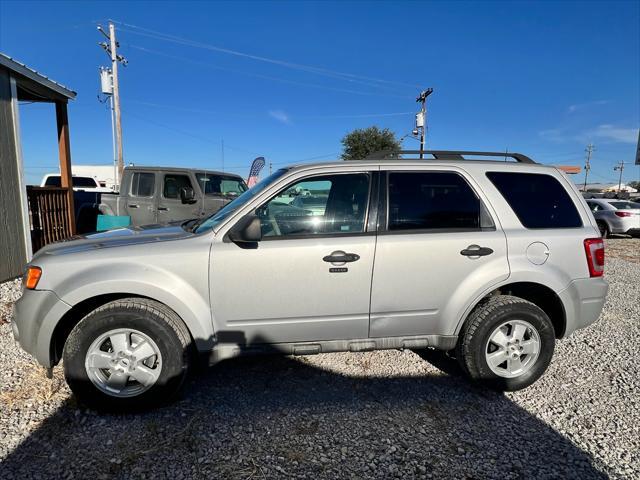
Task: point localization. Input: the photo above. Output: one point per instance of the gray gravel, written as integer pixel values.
(384, 415)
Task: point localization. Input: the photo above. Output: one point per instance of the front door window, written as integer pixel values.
(323, 205)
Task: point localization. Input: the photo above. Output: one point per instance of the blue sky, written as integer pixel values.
(542, 78)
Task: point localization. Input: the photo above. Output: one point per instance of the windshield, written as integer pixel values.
(214, 220)
(212, 184)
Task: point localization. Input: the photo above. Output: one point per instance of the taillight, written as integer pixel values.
(594, 248)
(32, 277)
(623, 214)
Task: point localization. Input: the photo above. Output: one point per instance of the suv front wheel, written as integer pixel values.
(126, 355)
(506, 343)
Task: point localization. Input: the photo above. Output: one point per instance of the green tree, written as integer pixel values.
(634, 184)
(362, 142)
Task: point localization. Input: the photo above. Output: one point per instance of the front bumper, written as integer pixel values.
(583, 300)
(36, 315)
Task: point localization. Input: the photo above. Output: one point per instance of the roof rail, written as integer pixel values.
(449, 155)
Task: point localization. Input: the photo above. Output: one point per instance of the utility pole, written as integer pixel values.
(620, 167)
(112, 50)
(587, 166)
(116, 98)
(421, 117)
(222, 144)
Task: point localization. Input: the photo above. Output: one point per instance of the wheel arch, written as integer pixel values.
(81, 309)
(540, 295)
(72, 317)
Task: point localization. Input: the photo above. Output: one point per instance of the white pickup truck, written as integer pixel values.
(79, 182)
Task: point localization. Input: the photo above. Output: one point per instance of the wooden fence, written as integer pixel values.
(48, 215)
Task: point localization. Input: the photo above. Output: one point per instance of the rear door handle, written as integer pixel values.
(341, 257)
(132, 205)
(163, 209)
(476, 251)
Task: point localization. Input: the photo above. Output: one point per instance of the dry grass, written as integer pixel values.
(625, 248)
(34, 386)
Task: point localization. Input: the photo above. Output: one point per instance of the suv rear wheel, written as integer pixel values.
(126, 355)
(506, 343)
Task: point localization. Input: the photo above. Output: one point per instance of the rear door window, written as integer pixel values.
(432, 201)
(538, 200)
(143, 184)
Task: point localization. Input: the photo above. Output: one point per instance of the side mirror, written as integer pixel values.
(247, 230)
(187, 195)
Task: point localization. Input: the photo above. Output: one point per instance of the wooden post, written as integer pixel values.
(64, 152)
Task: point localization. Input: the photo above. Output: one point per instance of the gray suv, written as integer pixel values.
(450, 253)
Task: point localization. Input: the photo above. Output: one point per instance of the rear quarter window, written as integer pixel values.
(538, 200)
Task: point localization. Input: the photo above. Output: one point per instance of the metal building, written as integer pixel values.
(21, 83)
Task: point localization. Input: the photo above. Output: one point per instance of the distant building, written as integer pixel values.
(606, 187)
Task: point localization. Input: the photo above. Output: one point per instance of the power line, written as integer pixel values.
(192, 135)
(364, 115)
(265, 77)
(253, 115)
(350, 77)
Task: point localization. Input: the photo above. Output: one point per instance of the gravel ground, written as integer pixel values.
(387, 414)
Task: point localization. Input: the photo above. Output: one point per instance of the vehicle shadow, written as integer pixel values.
(274, 416)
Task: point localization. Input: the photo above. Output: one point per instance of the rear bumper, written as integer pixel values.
(36, 314)
(583, 301)
(626, 225)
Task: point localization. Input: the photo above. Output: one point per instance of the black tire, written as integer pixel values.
(155, 320)
(604, 229)
(480, 324)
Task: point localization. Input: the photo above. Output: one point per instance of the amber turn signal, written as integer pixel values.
(32, 277)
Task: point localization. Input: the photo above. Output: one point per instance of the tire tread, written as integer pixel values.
(481, 314)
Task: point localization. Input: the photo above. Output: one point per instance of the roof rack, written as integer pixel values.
(449, 155)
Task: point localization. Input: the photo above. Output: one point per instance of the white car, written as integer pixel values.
(80, 182)
(616, 216)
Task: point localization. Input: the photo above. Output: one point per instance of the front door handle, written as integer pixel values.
(163, 209)
(476, 251)
(341, 257)
(133, 205)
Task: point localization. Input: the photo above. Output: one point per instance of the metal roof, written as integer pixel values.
(32, 75)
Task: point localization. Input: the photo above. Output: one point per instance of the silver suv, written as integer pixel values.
(491, 261)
